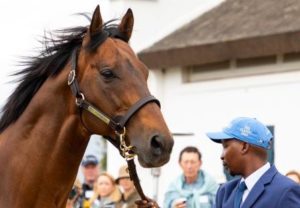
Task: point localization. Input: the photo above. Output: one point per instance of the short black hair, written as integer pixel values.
(190, 149)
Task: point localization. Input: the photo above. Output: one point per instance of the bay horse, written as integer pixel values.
(87, 81)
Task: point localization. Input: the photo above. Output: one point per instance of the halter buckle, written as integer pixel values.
(71, 77)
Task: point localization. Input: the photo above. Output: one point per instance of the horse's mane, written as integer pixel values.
(50, 61)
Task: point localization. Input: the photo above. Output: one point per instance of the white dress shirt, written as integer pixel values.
(252, 179)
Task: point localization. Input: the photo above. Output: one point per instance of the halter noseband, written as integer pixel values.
(118, 126)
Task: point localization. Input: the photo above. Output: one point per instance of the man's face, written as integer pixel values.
(231, 156)
(190, 164)
(90, 172)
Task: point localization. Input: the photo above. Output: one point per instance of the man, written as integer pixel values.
(194, 187)
(129, 193)
(90, 170)
(245, 142)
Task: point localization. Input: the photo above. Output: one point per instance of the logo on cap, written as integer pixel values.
(246, 131)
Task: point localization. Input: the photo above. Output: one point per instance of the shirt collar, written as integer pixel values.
(255, 176)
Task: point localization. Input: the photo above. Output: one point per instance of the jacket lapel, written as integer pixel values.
(259, 187)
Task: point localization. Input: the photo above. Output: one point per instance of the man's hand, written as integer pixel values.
(146, 203)
(180, 205)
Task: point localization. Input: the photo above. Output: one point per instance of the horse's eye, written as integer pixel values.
(107, 74)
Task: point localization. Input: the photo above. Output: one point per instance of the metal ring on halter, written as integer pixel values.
(79, 100)
(121, 134)
(126, 151)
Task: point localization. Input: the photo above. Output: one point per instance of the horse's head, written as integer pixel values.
(113, 79)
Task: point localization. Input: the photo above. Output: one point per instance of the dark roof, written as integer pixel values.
(233, 29)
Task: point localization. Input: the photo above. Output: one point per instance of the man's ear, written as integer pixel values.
(179, 163)
(245, 147)
(200, 163)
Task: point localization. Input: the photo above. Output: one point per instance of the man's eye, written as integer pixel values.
(107, 74)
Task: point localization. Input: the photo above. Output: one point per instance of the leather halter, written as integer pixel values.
(126, 150)
(118, 125)
(81, 102)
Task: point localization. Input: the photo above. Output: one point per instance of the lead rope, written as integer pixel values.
(135, 178)
(128, 153)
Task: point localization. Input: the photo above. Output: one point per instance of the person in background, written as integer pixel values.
(294, 175)
(129, 193)
(194, 187)
(74, 195)
(245, 143)
(106, 193)
(90, 170)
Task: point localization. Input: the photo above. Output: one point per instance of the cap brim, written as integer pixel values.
(118, 179)
(89, 163)
(218, 136)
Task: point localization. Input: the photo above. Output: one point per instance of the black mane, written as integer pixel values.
(51, 60)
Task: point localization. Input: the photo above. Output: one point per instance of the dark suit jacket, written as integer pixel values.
(272, 190)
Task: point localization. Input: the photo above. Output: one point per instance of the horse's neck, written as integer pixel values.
(44, 146)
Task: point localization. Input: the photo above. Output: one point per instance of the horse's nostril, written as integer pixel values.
(156, 144)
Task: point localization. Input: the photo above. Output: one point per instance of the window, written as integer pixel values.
(241, 67)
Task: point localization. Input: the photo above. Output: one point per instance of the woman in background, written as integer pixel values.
(106, 193)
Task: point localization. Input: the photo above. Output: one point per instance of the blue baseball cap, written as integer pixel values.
(244, 129)
(89, 160)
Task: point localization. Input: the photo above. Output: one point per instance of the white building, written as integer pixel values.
(239, 59)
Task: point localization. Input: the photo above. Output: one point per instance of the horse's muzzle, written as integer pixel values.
(159, 151)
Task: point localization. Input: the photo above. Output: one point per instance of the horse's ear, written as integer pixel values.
(96, 23)
(126, 24)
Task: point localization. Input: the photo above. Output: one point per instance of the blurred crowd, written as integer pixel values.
(101, 189)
